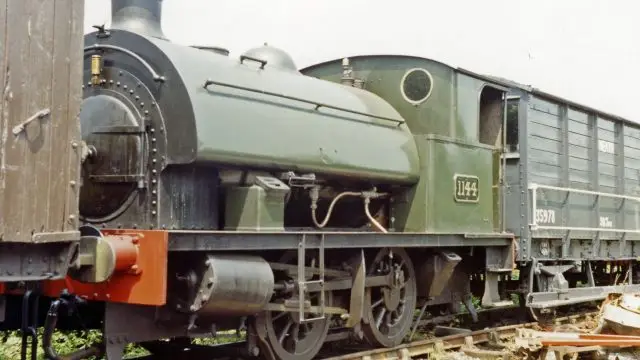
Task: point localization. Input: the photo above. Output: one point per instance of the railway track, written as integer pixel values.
(466, 342)
(485, 343)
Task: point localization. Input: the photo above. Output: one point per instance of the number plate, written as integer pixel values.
(466, 188)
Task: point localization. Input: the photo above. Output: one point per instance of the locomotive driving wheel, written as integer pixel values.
(292, 339)
(389, 309)
(286, 335)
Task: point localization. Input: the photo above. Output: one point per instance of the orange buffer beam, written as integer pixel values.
(140, 274)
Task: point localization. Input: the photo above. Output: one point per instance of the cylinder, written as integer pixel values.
(234, 285)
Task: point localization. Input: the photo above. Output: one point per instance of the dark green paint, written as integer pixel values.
(446, 129)
(431, 206)
(255, 208)
(256, 130)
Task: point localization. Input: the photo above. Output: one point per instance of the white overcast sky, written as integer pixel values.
(584, 50)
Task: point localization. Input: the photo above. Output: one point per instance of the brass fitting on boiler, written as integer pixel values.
(96, 69)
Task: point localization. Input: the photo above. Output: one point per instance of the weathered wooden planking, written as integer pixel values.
(3, 127)
(37, 136)
(66, 82)
(76, 56)
(42, 70)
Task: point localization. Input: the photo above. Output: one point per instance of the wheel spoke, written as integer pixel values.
(379, 318)
(295, 337)
(283, 334)
(279, 315)
(377, 303)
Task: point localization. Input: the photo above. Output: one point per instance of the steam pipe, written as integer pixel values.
(143, 17)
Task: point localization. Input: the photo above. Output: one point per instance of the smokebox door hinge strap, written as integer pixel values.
(39, 115)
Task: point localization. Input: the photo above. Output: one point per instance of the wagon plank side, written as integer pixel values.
(74, 75)
(15, 101)
(61, 86)
(37, 134)
(3, 134)
(39, 118)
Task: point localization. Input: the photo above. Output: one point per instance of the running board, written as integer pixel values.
(552, 299)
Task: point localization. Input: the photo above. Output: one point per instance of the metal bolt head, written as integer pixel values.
(255, 351)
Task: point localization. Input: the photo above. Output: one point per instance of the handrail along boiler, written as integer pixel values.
(206, 192)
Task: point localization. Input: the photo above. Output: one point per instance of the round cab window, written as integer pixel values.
(416, 85)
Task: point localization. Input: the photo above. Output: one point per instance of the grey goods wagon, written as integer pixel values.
(572, 176)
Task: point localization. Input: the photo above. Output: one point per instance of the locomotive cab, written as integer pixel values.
(457, 118)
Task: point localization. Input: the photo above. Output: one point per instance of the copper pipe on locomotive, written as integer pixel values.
(366, 195)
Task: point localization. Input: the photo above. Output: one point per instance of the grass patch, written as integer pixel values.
(63, 343)
(66, 342)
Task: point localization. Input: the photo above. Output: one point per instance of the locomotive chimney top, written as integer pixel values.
(139, 16)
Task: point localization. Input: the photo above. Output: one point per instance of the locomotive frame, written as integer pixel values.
(185, 232)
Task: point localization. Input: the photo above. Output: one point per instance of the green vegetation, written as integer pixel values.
(10, 343)
(63, 343)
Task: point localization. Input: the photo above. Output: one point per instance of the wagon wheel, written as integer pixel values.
(286, 336)
(389, 309)
(534, 314)
(541, 317)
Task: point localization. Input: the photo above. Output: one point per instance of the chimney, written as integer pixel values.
(139, 16)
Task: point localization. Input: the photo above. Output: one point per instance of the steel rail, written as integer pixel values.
(448, 343)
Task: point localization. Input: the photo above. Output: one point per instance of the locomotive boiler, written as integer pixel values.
(257, 116)
(305, 206)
